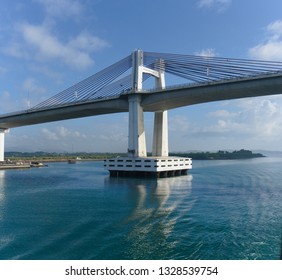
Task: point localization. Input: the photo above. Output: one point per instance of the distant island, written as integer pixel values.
(241, 154)
(44, 156)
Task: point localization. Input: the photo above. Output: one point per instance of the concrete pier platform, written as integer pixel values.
(4, 165)
(156, 167)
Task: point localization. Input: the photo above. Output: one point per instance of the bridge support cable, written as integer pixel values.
(114, 89)
(86, 89)
(111, 82)
(192, 68)
(202, 69)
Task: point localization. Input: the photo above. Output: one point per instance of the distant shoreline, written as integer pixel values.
(65, 157)
(221, 155)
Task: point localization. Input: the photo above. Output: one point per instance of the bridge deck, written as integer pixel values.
(172, 98)
(157, 100)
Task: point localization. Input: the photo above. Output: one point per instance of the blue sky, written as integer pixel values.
(48, 45)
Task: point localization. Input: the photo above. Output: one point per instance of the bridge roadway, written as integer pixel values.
(152, 101)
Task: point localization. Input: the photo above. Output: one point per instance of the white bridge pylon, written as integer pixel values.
(2, 143)
(137, 139)
(137, 163)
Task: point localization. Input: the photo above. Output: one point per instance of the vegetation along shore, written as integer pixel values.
(49, 157)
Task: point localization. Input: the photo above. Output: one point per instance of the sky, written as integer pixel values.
(48, 45)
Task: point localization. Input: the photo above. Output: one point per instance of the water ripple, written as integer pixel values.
(223, 210)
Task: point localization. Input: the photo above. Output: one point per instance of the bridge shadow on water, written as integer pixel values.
(281, 248)
(152, 216)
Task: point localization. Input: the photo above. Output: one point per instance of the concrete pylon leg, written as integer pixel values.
(160, 137)
(2, 144)
(137, 140)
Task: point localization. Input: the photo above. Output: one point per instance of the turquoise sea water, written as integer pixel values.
(221, 210)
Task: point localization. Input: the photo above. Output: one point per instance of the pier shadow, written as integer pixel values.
(153, 215)
(281, 248)
(2, 185)
(2, 191)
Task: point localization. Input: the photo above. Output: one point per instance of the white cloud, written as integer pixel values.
(32, 92)
(265, 116)
(206, 52)
(62, 8)
(45, 42)
(249, 123)
(258, 118)
(15, 49)
(9, 103)
(276, 29)
(87, 42)
(61, 132)
(178, 123)
(111, 137)
(6, 101)
(100, 139)
(271, 49)
(222, 114)
(47, 46)
(205, 3)
(53, 74)
(268, 51)
(50, 135)
(30, 85)
(219, 5)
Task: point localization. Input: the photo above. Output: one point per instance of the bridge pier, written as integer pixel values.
(160, 136)
(156, 167)
(136, 138)
(2, 144)
(137, 164)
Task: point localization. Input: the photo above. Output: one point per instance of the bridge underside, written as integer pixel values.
(215, 91)
(63, 113)
(152, 101)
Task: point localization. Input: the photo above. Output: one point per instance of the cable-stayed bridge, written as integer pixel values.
(126, 86)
